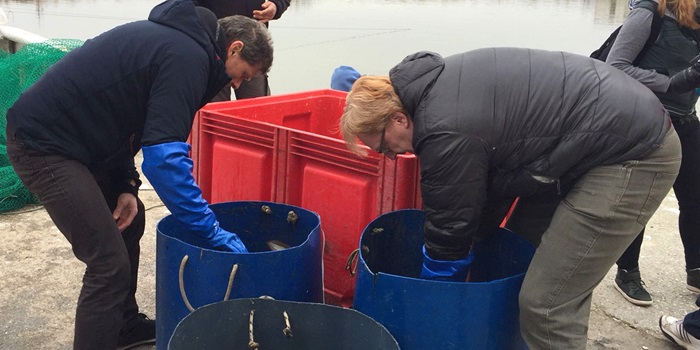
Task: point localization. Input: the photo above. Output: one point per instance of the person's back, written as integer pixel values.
(507, 103)
(115, 92)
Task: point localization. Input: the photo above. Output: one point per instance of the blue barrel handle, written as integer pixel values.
(182, 282)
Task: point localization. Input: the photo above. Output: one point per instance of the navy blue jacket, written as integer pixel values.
(138, 84)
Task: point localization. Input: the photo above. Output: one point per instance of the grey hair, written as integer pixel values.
(257, 43)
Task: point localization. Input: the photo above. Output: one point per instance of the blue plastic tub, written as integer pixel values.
(188, 277)
(279, 325)
(481, 314)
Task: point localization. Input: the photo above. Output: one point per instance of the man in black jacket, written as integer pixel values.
(591, 149)
(72, 137)
(260, 10)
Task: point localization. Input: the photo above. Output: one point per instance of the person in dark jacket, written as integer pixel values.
(260, 10)
(664, 69)
(73, 135)
(494, 124)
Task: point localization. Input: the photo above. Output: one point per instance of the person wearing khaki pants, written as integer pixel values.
(590, 152)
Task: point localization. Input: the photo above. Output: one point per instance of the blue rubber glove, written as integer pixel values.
(168, 168)
(445, 270)
(219, 239)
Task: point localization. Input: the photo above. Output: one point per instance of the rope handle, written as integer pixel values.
(181, 281)
(351, 264)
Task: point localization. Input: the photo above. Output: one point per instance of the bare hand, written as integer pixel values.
(269, 9)
(125, 211)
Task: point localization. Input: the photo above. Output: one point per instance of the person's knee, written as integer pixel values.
(112, 272)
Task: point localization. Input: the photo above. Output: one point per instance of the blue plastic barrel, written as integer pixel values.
(188, 277)
(279, 325)
(481, 314)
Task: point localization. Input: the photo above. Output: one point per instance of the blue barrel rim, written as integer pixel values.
(252, 301)
(306, 241)
(504, 280)
(377, 274)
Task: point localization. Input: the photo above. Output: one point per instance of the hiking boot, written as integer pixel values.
(142, 332)
(673, 329)
(693, 280)
(630, 285)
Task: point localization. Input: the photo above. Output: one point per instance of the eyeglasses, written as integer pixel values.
(382, 144)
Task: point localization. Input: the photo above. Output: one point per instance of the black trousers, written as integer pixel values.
(687, 191)
(81, 203)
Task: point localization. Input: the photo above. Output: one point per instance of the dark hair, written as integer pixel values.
(257, 43)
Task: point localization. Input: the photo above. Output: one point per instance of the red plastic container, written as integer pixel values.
(288, 149)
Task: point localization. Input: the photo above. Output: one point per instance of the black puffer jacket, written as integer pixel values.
(487, 121)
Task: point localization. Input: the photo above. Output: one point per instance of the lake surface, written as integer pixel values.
(315, 36)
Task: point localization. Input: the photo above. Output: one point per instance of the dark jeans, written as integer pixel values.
(691, 321)
(256, 87)
(687, 190)
(80, 204)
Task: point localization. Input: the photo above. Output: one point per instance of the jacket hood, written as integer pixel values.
(414, 76)
(195, 22)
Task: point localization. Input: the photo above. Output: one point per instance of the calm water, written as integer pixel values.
(315, 36)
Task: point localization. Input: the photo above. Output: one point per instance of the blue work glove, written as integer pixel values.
(445, 270)
(219, 239)
(168, 168)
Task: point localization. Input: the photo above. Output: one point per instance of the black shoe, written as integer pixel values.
(630, 285)
(693, 280)
(142, 331)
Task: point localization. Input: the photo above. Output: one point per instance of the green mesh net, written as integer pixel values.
(18, 72)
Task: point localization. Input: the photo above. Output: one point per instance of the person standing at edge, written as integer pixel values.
(666, 69)
(494, 124)
(73, 135)
(264, 13)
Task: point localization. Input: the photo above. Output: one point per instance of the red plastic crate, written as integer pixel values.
(288, 149)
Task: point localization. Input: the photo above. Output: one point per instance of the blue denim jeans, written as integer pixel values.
(587, 231)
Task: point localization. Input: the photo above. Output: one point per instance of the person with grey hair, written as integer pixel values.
(590, 152)
(263, 11)
(72, 137)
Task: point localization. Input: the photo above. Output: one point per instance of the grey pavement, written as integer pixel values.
(40, 281)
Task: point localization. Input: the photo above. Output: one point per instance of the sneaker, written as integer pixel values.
(673, 329)
(630, 285)
(693, 280)
(142, 332)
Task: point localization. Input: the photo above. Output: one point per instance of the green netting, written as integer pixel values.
(18, 72)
